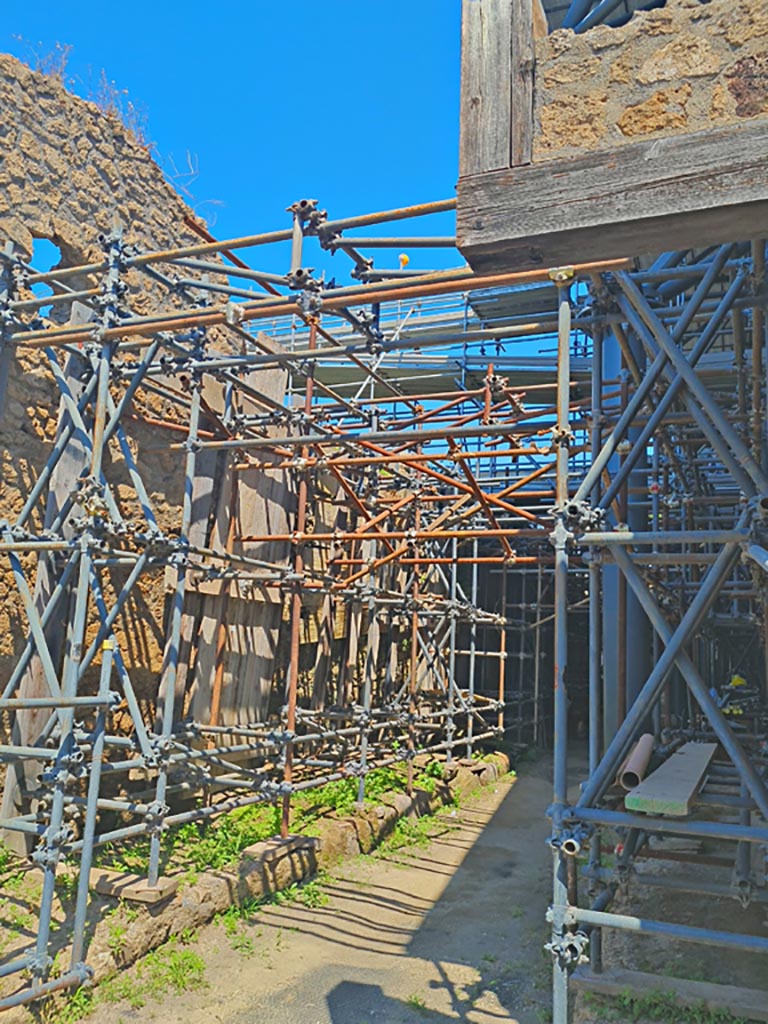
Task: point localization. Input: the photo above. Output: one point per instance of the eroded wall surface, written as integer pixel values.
(683, 68)
(66, 170)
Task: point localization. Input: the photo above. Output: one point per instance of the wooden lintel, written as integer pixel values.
(678, 192)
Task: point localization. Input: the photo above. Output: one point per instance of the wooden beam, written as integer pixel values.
(540, 23)
(673, 787)
(742, 1002)
(521, 143)
(486, 75)
(677, 192)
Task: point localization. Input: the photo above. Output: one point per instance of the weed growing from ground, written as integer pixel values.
(66, 886)
(217, 845)
(409, 832)
(312, 895)
(116, 938)
(233, 921)
(416, 1003)
(78, 1005)
(172, 967)
(309, 893)
(235, 918)
(6, 858)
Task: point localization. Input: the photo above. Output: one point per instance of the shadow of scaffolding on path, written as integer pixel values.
(477, 951)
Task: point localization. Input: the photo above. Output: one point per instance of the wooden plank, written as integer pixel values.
(540, 23)
(323, 655)
(521, 116)
(486, 76)
(689, 190)
(672, 788)
(741, 1002)
(348, 675)
(240, 620)
(205, 657)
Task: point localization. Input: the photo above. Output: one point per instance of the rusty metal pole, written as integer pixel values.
(414, 668)
(502, 651)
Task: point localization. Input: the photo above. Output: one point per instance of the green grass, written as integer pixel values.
(417, 1003)
(171, 968)
(116, 937)
(197, 846)
(310, 893)
(409, 832)
(217, 845)
(7, 859)
(235, 918)
(78, 1005)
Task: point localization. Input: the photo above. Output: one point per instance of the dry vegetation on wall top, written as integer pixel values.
(68, 165)
(682, 68)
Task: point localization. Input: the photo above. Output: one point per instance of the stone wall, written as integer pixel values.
(682, 68)
(66, 170)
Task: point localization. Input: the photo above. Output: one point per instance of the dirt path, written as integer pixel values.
(455, 928)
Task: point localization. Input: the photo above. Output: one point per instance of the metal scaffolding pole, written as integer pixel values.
(420, 471)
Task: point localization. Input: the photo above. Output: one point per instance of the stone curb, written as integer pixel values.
(270, 866)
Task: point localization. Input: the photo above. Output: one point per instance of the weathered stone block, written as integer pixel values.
(665, 110)
(578, 124)
(608, 86)
(687, 57)
(568, 71)
(748, 84)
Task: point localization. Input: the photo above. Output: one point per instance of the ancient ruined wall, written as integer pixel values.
(682, 68)
(66, 170)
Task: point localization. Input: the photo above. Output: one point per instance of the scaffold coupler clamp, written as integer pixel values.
(162, 747)
(48, 854)
(571, 950)
(562, 437)
(303, 209)
(742, 889)
(573, 840)
(560, 534)
(281, 738)
(39, 966)
(155, 815)
(580, 517)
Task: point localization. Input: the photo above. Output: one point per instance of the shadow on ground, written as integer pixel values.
(479, 946)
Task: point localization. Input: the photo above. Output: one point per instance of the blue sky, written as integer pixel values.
(351, 102)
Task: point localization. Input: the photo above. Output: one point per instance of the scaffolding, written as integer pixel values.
(420, 486)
